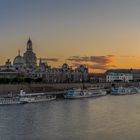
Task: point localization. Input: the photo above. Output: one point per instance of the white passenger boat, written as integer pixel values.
(23, 98)
(35, 97)
(84, 93)
(125, 90)
(9, 100)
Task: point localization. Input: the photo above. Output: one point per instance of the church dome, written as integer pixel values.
(65, 66)
(82, 68)
(19, 60)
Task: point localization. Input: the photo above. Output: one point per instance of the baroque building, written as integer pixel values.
(29, 56)
(26, 66)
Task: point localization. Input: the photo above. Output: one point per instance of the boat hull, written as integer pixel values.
(79, 97)
(39, 100)
(78, 94)
(125, 91)
(9, 101)
(25, 100)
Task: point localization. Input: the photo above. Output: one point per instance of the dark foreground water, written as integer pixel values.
(105, 118)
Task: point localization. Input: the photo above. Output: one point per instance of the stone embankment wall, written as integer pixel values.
(30, 88)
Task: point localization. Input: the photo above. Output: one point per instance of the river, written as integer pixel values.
(104, 118)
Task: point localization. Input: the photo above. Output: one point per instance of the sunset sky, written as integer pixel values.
(102, 34)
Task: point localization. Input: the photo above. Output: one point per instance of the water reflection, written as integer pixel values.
(110, 117)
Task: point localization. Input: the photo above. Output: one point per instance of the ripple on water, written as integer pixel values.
(105, 118)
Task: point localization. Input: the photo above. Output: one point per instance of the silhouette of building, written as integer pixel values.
(29, 56)
(26, 66)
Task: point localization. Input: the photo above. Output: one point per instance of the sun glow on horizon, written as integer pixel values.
(86, 29)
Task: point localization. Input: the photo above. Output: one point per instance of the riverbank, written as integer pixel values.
(42, 87)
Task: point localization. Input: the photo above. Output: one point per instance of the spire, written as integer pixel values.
(40, 61)
(29, 39)
(18, 52)
(29, 44)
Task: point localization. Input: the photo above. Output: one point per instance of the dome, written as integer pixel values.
(19, 60)
(82, 68)
(65, 66)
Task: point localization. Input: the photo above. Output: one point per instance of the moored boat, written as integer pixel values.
(125, 90)
(23, 98)
(9, 100)
(84, 93)
(35, 97)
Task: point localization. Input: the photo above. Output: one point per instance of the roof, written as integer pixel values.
(97, 75)
(136, 71)
(124, 71)
(128, 71)
(19, 60)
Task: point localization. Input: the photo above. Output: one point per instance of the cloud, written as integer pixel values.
(127, 56)
(98, 67)
(94, 62)
(52, 59)
(102, 59)
(95, 59)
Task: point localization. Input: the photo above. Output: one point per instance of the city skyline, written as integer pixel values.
(101, 34)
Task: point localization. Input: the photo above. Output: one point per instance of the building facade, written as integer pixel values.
(29, 56)
(119, 75)
(26, 66)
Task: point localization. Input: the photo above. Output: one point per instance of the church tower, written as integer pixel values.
(29, 45)
(30, 56)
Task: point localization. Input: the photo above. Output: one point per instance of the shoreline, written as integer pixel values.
(45, 87)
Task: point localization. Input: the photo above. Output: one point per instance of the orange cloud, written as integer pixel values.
(52, 59)
(94, 62)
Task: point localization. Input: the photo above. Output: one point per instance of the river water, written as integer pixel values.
(104, 118)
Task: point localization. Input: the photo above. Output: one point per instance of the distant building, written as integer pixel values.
(136, 75)
(9, 71)
(66, 74)
(26, 67)
(29, 56)
(97, 77)
(119, 75)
